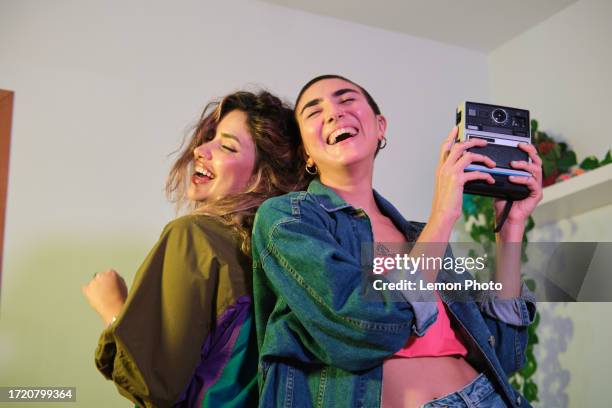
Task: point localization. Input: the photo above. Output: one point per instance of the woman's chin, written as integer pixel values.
(352, 158)
(194, 195)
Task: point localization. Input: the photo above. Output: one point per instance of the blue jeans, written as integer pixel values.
(477, 394)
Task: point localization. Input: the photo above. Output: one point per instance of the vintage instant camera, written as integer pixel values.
(504, 128)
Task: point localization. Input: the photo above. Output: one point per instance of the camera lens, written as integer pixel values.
(499, 115)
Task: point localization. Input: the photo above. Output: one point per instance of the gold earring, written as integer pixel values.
(383, 143)
(312, 170)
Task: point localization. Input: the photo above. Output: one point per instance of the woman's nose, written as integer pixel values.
(334, 114)
(202, 151)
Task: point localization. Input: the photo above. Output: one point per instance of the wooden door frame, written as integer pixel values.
(6, 120)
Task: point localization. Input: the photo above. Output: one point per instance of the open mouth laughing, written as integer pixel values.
(341, 134)
(201, 175)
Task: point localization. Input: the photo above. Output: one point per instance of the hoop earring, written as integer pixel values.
(383, 143)
(309, 169)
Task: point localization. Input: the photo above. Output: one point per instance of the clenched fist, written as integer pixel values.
(106, 294)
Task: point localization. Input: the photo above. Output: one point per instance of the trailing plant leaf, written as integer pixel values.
(590, 163)
(530, 367)
(530, 391)
(607, 159)
(529, 226)
(469, 207)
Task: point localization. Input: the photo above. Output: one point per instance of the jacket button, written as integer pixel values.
(518, 400)
(491, 341)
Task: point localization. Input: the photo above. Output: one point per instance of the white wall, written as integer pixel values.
(560, 69)
(104, 90)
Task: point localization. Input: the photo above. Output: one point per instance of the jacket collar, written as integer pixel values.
(330, 201)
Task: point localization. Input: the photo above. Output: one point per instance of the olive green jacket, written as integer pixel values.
(185, 336)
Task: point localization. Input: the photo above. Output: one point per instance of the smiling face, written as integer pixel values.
(225, 164)
(337, 125)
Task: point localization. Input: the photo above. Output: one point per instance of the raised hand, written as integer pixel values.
(522, 209)
(451, 176)
(106, 294)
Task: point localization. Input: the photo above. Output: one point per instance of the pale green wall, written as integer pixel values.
(47, 332)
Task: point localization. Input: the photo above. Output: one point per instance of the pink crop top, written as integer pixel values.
(439, 340)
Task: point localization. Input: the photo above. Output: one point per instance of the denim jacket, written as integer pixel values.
(321, 343)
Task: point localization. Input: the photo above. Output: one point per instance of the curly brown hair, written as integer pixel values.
(278, 165)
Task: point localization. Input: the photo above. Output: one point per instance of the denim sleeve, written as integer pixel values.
(508, 321)
(321, 283)
(423, 304)
(517, 312)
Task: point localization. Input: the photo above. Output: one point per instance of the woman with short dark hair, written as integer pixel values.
(322, 342)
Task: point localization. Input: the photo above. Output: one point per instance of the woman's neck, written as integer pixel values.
(353, 185)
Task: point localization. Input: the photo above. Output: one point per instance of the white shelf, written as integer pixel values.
(577, 195)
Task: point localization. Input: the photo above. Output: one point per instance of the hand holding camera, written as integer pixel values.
(451, 176)
(522, 209)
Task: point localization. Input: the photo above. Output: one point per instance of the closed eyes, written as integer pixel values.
(311, 114)
(228, 148)
(316, 111)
